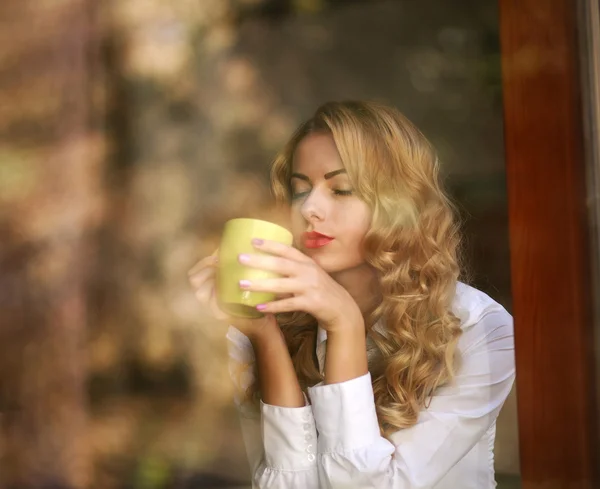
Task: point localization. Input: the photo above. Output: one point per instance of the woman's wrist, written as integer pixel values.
(351, 322)
(346, 357)
(276, 375)
(266, 336)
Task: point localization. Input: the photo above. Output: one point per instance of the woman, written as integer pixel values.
(382, 370)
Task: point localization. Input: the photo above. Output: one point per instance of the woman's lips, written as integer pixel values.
(314, 240)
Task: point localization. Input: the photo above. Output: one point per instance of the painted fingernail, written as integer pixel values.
(244, 258)
(244, 284)
(258, 242)
(261, 307)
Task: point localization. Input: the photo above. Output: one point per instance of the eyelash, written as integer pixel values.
(335, 191)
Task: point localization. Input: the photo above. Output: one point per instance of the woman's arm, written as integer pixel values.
(354, 454)
(280, 441)
(346, 352)
(276, 375)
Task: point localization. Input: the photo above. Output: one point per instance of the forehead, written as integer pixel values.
(316, 154)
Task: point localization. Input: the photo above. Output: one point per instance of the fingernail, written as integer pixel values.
(244, 284)
(244, 258)
(261, 307)
(258, 242)
(215, 259)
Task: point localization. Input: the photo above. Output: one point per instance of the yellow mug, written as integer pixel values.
(237, 239)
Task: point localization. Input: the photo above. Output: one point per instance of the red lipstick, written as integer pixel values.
(314, 240)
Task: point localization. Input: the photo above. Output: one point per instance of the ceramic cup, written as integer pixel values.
(237, 239)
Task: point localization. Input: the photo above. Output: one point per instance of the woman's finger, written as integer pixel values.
(203, 293)
(270, 263)
(202, 276)
(202, 264)
(284, 305)
(286, 285)
(280, 249)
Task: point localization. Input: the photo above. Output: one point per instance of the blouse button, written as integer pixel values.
(307, 426)
(311, 457)
(308, 437)
(309, 448)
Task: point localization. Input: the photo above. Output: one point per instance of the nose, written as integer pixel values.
(313, 208)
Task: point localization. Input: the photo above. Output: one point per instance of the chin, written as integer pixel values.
(331, 264)
(321, 259)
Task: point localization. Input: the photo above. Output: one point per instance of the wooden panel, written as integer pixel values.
(549, 245)
(590, 42)
(47, 223)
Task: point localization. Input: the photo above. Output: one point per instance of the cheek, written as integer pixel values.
(357, 230)
(297, 224)
(358, 222)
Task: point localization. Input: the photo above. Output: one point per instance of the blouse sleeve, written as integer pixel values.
(354, 454)
(280, 442)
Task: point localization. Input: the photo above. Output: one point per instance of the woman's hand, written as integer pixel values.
(276, 375)
(305, 285)
(202, 280)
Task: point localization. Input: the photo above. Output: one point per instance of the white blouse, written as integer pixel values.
(335, 441)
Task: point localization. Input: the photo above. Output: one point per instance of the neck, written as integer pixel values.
(362, 284)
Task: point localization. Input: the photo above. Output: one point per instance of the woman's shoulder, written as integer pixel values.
(480, 316)
(471, 304)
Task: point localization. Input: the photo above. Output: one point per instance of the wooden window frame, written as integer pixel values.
(550, 242)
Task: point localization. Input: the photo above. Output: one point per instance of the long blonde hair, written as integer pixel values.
(413, 245)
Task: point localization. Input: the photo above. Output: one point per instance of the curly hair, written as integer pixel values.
(413, 245)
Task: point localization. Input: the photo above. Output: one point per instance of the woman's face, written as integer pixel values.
(329, 221)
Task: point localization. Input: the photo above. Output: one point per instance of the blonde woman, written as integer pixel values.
(376, 367)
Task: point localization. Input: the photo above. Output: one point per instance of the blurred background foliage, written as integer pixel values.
(130, 131)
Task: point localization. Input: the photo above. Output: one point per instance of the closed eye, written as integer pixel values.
(338, 192)
(299, 195)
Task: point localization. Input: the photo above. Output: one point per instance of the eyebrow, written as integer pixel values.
(327, 176)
